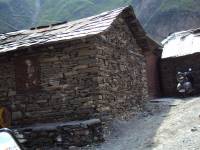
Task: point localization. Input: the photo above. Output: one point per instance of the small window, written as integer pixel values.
(27, 73)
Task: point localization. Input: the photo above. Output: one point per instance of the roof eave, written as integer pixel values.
(145, 42)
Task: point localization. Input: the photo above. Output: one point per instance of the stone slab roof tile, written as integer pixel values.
(67, 31)
(75, 30)
(181, 43)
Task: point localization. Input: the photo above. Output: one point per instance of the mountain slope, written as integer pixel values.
(158, 17)
(14, 15)
(75, 9)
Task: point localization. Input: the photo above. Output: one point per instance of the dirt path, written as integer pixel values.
(173, 124)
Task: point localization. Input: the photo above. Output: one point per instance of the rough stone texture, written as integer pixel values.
(67, 85)
(170, 67)
(60, 135)
(97, 76)
(7, 84)
(122, 71)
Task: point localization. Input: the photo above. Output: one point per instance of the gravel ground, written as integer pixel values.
(168, 124)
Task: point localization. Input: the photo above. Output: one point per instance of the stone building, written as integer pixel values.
(181, 51)
(82, 69)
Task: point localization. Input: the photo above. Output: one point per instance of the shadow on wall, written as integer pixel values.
(169, 68)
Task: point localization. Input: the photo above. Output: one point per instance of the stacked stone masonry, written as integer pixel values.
(169, 68)
(78, 79)
(51, 136)
(122, 73)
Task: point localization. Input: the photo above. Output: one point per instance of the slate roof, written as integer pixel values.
(73, 30)
(181, 43)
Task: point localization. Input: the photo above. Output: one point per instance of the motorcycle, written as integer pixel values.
(184, 85)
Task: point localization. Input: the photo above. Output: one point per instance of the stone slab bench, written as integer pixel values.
(62, 135)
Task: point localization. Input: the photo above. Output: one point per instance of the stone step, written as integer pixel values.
(60, 135)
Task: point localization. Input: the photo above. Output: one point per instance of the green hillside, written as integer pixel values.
(191, 5)
(75, 9)
(157, 16)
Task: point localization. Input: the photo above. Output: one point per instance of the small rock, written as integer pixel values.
(194, 129)
(17, 115)
(74, 148)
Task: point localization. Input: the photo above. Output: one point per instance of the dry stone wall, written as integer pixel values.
(122, 71)
(67, 85)
(60, 135)
(92, 77)
(169, 68)
(7, 81)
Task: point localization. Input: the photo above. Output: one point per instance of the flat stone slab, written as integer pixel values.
(62, 134)
(53, 126)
